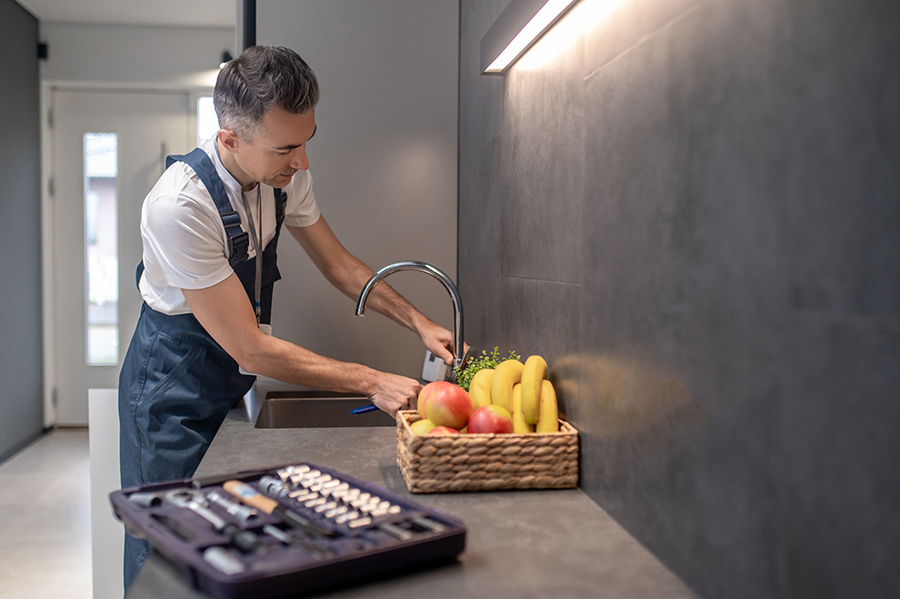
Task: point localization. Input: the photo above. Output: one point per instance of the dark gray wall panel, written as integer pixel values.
(538, 316)
(479, 225)
(21, 356)
(543, 181)
(723, 317)
(481, 96)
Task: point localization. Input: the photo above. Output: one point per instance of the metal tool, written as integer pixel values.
(273, 487)
(145, 499)
(224, 562)
(242, 513)
(195, 501)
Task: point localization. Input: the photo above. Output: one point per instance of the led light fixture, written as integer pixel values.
(516, 29)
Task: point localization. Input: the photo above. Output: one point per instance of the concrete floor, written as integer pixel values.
(45, 545)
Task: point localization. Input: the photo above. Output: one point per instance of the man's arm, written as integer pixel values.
(349, 275)
(226, 314)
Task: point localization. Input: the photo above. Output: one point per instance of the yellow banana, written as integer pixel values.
(507, 374)
(520, 427)
(534, 372)
(549, 420)
(480, 387)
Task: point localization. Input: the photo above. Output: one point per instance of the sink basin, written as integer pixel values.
(314, 409)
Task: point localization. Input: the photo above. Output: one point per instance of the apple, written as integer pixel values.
(446, 404)
(421, 427)
(424, 395)
(443, 430)
(491, 419)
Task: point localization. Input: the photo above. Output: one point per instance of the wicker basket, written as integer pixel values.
(438, 464)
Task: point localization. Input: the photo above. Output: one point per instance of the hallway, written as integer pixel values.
(45, 545)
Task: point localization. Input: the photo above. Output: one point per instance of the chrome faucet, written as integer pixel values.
(437, 274)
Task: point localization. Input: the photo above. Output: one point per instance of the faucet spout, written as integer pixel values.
(437, 274)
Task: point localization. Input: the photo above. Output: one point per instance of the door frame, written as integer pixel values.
(48, 293)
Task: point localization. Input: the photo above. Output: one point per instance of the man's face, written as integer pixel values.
(277, 152)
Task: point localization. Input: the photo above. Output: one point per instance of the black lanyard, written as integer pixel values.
(256, 242)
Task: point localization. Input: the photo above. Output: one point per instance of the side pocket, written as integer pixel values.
(171, 397)
(165, 369)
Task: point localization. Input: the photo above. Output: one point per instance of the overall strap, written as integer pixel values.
(280, 206)
(237, 239)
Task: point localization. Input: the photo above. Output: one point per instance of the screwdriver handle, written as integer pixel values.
(250, 496)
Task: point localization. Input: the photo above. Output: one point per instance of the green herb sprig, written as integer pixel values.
(464, 376)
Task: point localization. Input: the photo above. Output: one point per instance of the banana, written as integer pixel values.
(480, 387)
(549, 420)
(520, 427)
(507, 374)
(535, 371)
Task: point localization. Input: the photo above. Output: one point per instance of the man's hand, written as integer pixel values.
(437, 340)
(394, 392)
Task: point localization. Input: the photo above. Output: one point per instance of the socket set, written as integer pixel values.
(285, 531)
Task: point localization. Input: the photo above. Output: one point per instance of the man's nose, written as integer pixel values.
(299, 160)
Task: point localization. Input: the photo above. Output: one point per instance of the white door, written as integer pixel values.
(108, 150)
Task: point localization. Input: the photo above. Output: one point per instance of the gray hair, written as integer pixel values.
(261, 79)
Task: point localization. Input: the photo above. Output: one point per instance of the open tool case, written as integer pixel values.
(285, 531)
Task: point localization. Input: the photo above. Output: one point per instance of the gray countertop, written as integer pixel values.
(519, 543)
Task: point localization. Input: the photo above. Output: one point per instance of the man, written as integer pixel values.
(210, 228)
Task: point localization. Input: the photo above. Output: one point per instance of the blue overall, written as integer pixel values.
(177, 384)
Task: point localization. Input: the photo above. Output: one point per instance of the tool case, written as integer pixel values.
(285, 531)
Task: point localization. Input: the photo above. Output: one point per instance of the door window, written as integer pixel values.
(101, 159)
(207, 121)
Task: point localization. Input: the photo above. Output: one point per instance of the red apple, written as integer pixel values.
(445, 404)
(424, 395)
(491, 419)
(443, 430)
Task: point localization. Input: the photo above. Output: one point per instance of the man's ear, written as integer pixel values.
(229, 139)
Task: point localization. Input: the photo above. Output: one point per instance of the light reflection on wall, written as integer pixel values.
(566, 32)
(410, 173)
(637, 418)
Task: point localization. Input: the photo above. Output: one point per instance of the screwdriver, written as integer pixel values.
(250, 496)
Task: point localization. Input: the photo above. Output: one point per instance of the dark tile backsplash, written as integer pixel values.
(692, 210)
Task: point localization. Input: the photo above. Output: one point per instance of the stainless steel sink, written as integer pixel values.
(313, 409)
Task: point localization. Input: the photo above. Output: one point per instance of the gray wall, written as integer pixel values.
(20, 241)
(383, 163)
(134, 55)
(692, 211)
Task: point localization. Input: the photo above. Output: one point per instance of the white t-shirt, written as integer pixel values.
(185, 244)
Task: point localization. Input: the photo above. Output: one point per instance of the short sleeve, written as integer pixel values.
(183, 242)
(301, 209)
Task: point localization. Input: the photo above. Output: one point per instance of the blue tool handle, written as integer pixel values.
(364, 409)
